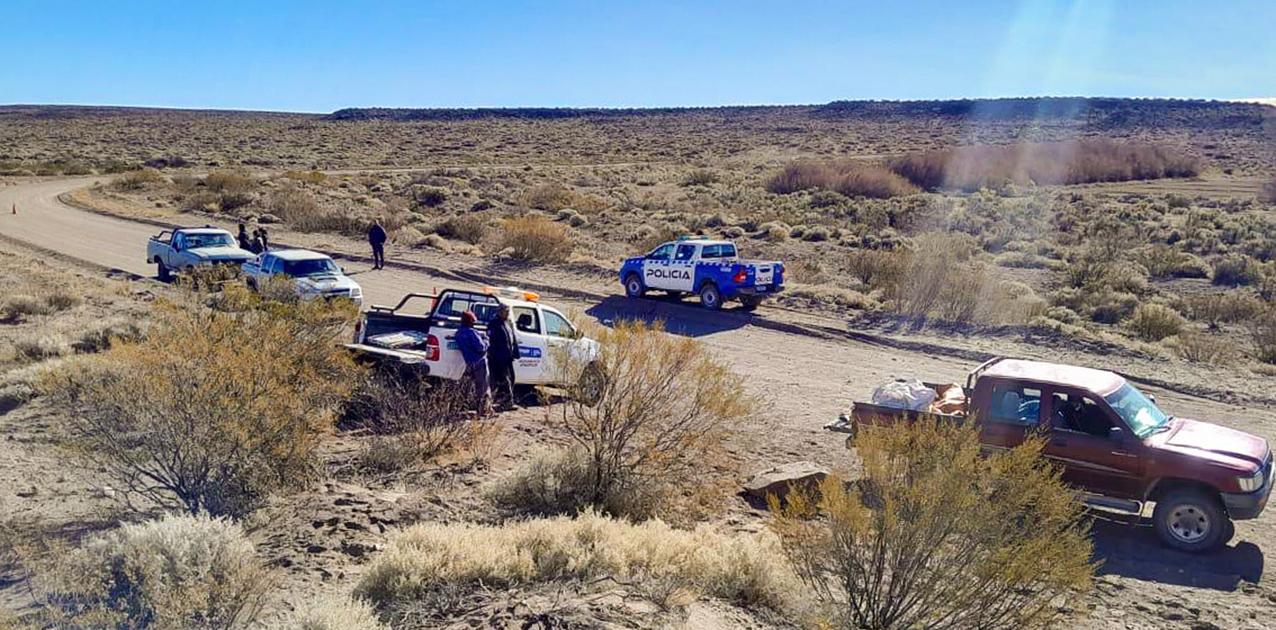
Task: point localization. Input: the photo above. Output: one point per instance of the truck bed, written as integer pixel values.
(870, 414)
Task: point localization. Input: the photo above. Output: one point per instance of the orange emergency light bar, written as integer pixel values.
(513, 293)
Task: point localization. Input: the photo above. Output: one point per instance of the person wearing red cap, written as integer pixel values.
(474, 350)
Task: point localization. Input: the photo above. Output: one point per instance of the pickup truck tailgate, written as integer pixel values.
(403, 356)
(764, 274)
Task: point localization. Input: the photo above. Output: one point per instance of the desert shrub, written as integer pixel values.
(191, 572)
(1163, 261)
(550, 197)
(974, 167)
(214, 409)
(1023, 260)
(412, 420)
(430, 197)
(662, 409)
(1202, 348)
(677, 566)
(536, 239)
(774, 232)
(1262, 332)
(850, 178)
(41, 346)
(936, 535)
(137, 180)
(311, 177)
(1220, 308)
(1237, 269)
(878, 268)
(102, 335)
(1154, 322)
(471, 229)
(334, 613)
(701, 177)
(1268, 193)
(816, 233)
(223, 181)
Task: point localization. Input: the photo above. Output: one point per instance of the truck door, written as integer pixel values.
(531, 346)
(177, 244)
(1080, 441)
(1014, 411)
(682, 271)
(655, 268)
(560, 337)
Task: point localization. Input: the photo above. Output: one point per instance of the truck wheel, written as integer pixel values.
(162, 272)
(750, 303)
(710, 297)
(1189, 520)
(593, 380)
(633, 286)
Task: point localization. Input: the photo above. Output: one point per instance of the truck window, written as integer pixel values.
(556, 326)
(685, 252)
(525, 320)
(1013, 404)
(271, 265)
(179, 242)
(453, 305)
(662, 253)
(1081, 414)
(723, 250)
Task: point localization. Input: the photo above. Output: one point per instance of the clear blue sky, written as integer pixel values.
(321, 55)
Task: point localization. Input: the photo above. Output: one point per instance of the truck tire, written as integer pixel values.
(633, 286)
(162, 272)
(1190, 520)
(710, 296)
(593, 381)
(750, 302)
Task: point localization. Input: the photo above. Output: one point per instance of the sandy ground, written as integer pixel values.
(806, 366)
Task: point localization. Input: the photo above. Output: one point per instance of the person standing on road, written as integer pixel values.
(502, 351)
(474, 351)
(376, 238)
(245, 242)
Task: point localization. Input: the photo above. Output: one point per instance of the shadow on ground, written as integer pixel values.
(1135, 552)
(681, 318)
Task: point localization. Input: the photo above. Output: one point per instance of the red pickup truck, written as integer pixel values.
(1115, 445)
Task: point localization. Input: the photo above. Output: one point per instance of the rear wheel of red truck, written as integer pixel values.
(1190, 520)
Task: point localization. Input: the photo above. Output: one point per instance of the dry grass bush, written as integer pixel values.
(304, 214)
(413, 420)
(214, 409)
(1202, 348)
(701, 177)
(555, 197)
(1268, 193)
(663, 410)
(673, 566)
(228, 181)
(1237, 270)
(536, 239)
(1262, 331)
(850, 178)
(310, 177)
(935, 535)
(188, 572)
(1163, 261)
(41, 346)
(1154, 322)
(333, 613)
(101, 335)
(38, 302)
(137, 180)
(971, 168)
(469, 228)
(1223, 307)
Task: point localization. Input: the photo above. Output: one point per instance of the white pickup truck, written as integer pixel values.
(426, 341)
(184, 248)
(315, 274)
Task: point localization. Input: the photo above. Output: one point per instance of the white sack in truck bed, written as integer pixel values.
(910, 394)
(398, 340)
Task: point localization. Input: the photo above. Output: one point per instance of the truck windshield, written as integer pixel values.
(1143, 416)
(314, 267)
(194, 241)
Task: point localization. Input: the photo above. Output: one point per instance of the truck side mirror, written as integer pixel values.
(1116, 434)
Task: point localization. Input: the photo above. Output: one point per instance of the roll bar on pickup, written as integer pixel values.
(411, 296)
(160, 236)
(979, 371)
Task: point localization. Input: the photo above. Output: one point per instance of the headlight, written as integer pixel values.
(1252, 482)
(356, 292)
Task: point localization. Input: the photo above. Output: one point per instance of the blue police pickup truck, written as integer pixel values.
(710, 269)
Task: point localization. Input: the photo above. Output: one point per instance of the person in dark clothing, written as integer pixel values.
(245, 242)
(265, 240)
(376, 238)
(502, 351)
(257, 245)
(474, 351)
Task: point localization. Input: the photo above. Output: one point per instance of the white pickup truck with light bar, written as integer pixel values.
(426, 341)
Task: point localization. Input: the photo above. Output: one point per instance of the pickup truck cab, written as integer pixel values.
(708, 268)
(184, 248)
(1113, 443)
(315, 274)
(426, 340)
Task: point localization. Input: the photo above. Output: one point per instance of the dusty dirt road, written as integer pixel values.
(805, 379)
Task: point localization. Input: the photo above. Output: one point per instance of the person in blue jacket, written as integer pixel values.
(474, 350)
